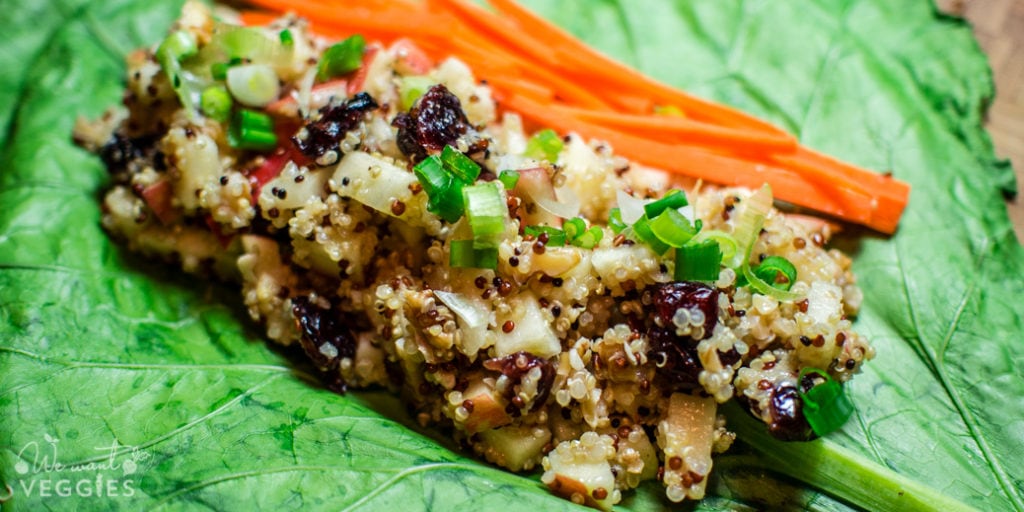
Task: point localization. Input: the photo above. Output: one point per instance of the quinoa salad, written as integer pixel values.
(554, 307)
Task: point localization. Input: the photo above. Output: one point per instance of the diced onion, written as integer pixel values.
(473, 314)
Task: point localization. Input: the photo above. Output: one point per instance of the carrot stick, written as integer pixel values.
(596, 65)
(686, 130)
(496, 28)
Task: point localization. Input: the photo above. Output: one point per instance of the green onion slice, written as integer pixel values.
(176, 47)
(777, 271)
(574, 227)
(250, 129)
(672, 228)
(700, 261)
(463, 167)
(444, 193)
(645, 234)
(615, 220)
(342, 58)
(410, 88)
(674, 200)
(286, 37)
(589, 238)
(825, 406)
(509, 179)
(215, 102)
(726, 243)
(545, 144)
(487, 212)
(555, 236)
(464, 254)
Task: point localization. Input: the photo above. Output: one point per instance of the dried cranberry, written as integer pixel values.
(325, 338)
(669, 297)
(515, 367)
(435, 122)
(786, 409)
(679, 366)
(119, 151)
(334, 121)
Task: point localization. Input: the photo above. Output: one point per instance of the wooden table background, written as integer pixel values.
(999, 27)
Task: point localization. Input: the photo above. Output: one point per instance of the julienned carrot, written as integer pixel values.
(682, 129)
(391, 21)
(832, 199)
(595, 64)
(496, 28)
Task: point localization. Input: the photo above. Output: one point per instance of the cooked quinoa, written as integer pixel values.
(591, 363)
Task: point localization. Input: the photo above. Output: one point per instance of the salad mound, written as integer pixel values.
(551, 304)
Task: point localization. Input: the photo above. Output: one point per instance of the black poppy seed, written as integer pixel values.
(223, 180)
(556, 311)
(345, 181)
(557, 282)
(805, 340)
(851, 364)
(513, 261)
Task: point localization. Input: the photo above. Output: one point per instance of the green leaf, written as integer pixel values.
(96, 346)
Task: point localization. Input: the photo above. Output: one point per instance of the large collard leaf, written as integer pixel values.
(95, 347)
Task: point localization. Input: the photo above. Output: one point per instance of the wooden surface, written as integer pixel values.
(999, 27)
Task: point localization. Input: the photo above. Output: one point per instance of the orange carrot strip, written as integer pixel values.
(593, 64)
(681, 129)
(397, 22)
(497, 28)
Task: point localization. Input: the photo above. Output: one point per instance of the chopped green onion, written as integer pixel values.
(555, 236)
(672, 228)
(615, 220)
(464, 254)
(410, 89)
(253, 85)
(342, 58)
(486, 212)
(445, 195)
(252, 130)
(726, 243)
(215, 103)
(545, 144)
(219, 70)
(825, 406)
(574, 227)
(765, 288)
(589, 238)
(701, 261)
(286, 37)
(178, 46)
(674, 199)
(509, 179)
(777, 271)
(642, 229)
(463, 167)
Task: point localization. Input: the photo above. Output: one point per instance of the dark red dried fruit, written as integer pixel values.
(669, 297)
(515, 367)
(325, 337)
(786, 409)
(119, 151)
(676, 356)
(436, 121)
(334, 121)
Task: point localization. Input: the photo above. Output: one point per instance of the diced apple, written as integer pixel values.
(515, 447)
(686, 436)
(532, 332)
(580, 471)
(486, 412)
